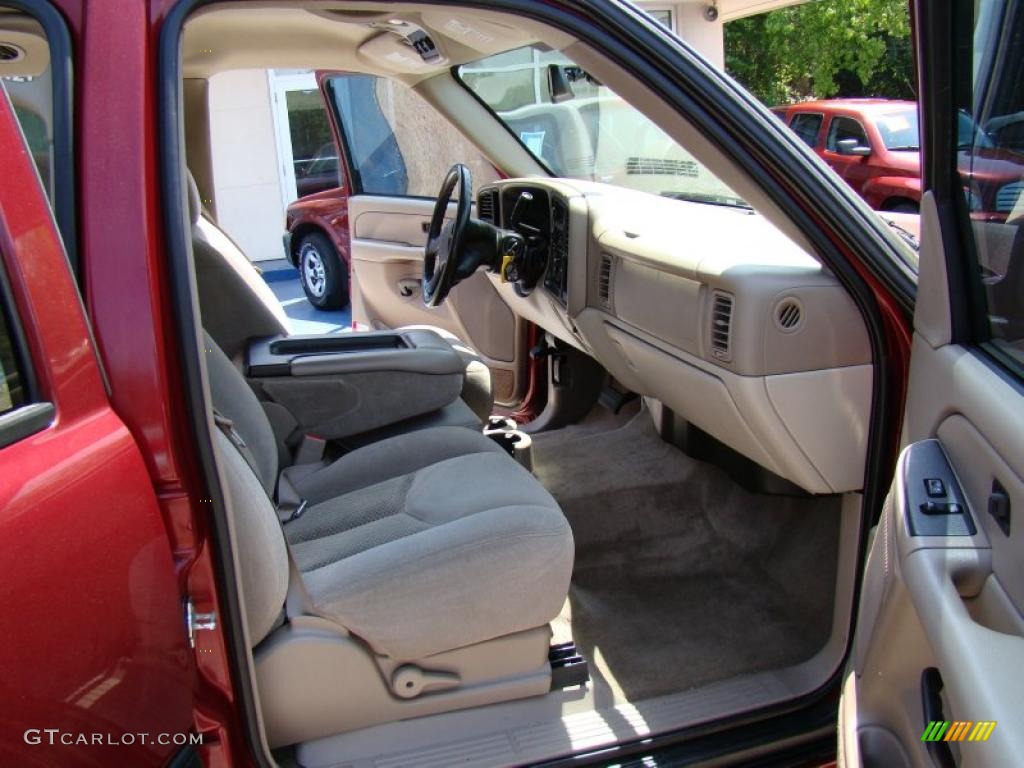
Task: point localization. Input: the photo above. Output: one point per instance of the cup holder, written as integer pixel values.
(518, 445)
(501, 423)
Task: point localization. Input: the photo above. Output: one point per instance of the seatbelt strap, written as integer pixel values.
(227, 426)
(290, 504)
(297, 601)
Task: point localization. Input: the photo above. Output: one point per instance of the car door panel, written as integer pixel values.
(388, 235)
(936, 675)
(94, 622)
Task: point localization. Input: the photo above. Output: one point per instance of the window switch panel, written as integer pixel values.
(941, 508)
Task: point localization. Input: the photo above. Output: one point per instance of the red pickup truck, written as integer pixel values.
(874, 144)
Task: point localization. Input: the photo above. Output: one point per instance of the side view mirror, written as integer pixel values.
(558, 84)
(852, 147)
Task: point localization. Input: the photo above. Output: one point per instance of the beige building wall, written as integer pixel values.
(247, 182)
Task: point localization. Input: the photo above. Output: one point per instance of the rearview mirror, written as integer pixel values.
(852, 147)
(558, 85)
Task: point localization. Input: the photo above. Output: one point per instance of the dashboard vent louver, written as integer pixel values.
(657, 166)
(604, 280)
(721, 325)
(788, 315)
(487, 206)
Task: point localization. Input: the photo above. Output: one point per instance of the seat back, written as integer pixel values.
(262, 555)
(235, 400)
(236, 304)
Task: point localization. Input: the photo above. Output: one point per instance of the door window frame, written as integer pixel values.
(946, 41)
(34, 414)
(351, 175)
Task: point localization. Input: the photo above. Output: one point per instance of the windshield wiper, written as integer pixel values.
(698, 197)
(905, 148)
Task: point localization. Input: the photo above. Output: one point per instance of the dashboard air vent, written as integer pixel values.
(604, 280)
(721, 325)
(487, 206)
(788, 314)
(657, 166)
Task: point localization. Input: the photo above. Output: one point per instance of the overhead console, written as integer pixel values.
(713, 311)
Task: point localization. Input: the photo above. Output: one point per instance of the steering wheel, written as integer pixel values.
(445, 239)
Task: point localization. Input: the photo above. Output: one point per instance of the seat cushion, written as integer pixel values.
(392, 457)
(454, 545)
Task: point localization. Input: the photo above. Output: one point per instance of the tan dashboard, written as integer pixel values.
(713, 311)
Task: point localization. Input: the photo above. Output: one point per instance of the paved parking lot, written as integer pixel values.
(303, 317)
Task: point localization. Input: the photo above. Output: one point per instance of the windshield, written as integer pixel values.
(581, 129)
(900, 131)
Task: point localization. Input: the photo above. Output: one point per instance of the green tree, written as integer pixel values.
(823, 48)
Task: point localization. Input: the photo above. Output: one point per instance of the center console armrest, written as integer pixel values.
(414, 351)
(345, 384)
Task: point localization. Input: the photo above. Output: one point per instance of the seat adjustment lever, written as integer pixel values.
(409, 681)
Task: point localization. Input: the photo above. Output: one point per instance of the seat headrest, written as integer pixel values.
(195, 205)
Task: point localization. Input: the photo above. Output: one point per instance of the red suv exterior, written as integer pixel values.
(316, 242)
(874, 144)
(887, 176)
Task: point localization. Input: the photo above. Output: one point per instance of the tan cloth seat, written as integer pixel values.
(417, 544)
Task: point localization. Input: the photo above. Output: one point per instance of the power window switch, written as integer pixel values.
(941, 508)
(934, 487)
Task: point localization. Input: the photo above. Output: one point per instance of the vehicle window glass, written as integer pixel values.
(314, 156)
(899, 130)
(27, 76)
(12, 383)
(990, 163)
(845, 128)
(807, 127)
(398, 144)
(586, 130)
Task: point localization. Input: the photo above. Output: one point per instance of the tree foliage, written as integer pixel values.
(822, 49)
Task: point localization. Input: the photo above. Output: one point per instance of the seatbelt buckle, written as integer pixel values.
(297, 512)
(311, 450)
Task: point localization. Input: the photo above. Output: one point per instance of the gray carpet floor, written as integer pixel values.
(682, 577)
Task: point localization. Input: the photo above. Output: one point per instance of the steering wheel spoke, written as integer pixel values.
(444, 246)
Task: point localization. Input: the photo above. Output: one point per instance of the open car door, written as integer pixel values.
(397, 149)
(936, 675)
(94, 652)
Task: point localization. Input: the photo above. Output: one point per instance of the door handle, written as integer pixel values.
(408, 287)
(999, 506)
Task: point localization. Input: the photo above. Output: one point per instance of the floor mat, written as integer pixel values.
(682, 577)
